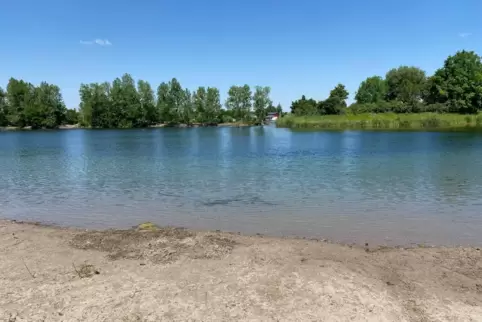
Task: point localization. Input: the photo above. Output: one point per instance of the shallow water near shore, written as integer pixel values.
(393, 188)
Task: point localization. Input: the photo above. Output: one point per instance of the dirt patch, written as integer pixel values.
(160, 245)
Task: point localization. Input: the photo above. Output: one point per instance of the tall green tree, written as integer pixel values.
(175, 100)
(3, 108)
(371, 90)
(261, 102)
(126, 110)
(458, 83)
(162, 105)
(213, 106)
(239, 102)
(406, 84)
(85, 105)
(96, 106)
(336, 102)
(187, 108)
(118, 108)
(147, 102)
(19, 95)
(135, 112)
(199, 102)
(46, 109)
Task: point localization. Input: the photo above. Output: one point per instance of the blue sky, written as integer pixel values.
(295, 47)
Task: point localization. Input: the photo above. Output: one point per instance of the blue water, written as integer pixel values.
(379, 187)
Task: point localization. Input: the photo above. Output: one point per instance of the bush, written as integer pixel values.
(431, 122)
(478, 120)
(404, 124)
(434, 108)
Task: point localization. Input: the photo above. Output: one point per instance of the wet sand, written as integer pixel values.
(167, 274)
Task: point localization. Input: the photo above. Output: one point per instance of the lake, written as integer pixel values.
(394, 188)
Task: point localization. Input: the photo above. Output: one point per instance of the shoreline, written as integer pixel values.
(385, 122)
(363, 245)
(163, 273)
(154, 126)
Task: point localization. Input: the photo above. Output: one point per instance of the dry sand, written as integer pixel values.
(56, 274)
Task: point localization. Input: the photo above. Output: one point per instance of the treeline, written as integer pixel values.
(23, 104)
(122, 104)
(454, 88)
(127, 104)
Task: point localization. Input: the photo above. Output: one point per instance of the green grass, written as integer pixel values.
(385, 121)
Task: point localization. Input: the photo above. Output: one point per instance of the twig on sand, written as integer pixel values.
(25, 264)
(75, 268)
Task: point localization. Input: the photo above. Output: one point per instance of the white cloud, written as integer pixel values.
(465, 34)
(103, 42)
(100, 42)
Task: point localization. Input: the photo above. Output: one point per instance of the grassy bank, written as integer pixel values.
(385, 121)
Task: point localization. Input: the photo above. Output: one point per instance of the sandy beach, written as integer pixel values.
(168, 274)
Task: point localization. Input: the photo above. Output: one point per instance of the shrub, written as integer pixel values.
(430, 122)
(435, 108)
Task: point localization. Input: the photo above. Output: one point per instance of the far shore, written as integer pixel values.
(152, 273)
(384, 121)
(77, 126)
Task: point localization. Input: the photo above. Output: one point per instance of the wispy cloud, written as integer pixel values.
(465, 34)
(100, 42)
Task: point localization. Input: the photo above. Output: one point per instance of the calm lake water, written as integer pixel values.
(378, 187)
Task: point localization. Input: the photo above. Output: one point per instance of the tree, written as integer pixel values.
(212, 106)
(304, 106)
(19, 96)
(239, 102)
(261, 102)
(233, 102)
(126, 109)
(406, 84)
(72, 117)
(186, 106)
(46, 109)
(118, 108)
(271, 108)
(371, 90)
(96, 106)
(162, 105)
(3, 108)
(336, 102)
(174, 102)
(86, 104)
(458, 83)
(147, 102)
(199, 102)
(135, 113)
(279, 109)
(246, 103)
